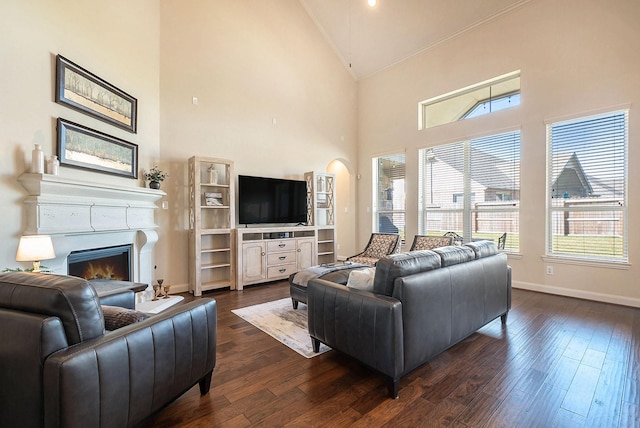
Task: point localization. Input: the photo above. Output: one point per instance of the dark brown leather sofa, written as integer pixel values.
(60, 368)
(422, 303)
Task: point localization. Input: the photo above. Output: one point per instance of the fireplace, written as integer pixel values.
(81, 215)
(101, 263)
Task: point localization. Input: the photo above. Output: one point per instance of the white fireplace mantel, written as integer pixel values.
(83, 215)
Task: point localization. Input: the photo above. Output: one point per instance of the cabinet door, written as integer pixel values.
(306, 253)
(253, 261)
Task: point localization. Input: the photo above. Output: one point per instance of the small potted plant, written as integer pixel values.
(155, 176)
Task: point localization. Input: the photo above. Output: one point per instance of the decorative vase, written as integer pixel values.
(37, 160)
(213, 175)
(53, 165)
(154, 185)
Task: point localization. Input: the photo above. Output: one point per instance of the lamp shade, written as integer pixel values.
(33, 248)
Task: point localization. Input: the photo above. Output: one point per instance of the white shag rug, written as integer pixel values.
(279, 320)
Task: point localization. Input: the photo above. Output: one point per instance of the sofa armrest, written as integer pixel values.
(122, 298)
(128, 374)
(361, 324)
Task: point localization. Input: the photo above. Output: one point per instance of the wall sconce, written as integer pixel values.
(34, 248)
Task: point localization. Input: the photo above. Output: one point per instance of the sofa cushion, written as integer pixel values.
(483, 248)
(116, 317)
(454, 255)
(391, 267)
(362, 279)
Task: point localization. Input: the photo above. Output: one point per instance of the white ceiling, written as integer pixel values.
(370, 39)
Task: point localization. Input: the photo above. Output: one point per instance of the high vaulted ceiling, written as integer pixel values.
(370, 39)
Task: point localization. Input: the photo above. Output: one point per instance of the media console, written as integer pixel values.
(273, 253)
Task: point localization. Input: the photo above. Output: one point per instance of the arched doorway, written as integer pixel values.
(345, 207)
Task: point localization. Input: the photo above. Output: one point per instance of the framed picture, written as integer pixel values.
(84, 91)
(82, 147)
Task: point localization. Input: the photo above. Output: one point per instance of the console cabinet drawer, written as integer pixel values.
(282, 270)
(281, 258)
(281, 245)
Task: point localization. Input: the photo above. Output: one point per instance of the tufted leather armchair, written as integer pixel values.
(60, 368)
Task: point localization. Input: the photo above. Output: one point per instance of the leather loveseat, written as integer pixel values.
(422, 303)
(60, 368)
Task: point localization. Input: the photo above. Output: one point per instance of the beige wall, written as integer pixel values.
(117, 40)
(250, 63)
(577, 57)
(272, 96)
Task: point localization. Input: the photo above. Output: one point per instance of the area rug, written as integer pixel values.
(157, 306)
(279, 320)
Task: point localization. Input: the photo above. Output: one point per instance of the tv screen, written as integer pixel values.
(271, 200)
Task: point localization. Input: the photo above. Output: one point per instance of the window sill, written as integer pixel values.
(585, 262)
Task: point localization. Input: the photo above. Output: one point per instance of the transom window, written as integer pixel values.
(476, 100)
(587, 190)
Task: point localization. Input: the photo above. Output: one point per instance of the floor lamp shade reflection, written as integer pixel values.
(35, 248)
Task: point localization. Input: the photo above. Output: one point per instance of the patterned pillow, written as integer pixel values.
(116, 317)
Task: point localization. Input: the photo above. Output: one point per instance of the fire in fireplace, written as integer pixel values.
(101, 263)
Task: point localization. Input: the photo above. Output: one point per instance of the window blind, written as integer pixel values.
(587, 176)
(472, 188)
(389, 194)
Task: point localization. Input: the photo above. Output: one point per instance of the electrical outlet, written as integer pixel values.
(549, 270)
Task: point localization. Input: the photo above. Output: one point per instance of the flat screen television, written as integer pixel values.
(263, 200)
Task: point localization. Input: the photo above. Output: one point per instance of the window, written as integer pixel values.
(492, 104)
(388, 194)
(587, 176)
(472, 188)
(483, 98)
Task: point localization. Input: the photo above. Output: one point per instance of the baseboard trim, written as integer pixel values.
(579, 294)
(179, 288)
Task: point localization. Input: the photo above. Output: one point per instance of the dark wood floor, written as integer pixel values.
(558, 362)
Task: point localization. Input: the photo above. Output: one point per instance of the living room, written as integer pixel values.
(258, 83)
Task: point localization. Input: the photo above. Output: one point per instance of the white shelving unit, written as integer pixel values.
(321, 197)
(211, 222)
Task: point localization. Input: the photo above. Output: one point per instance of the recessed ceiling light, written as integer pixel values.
(372, 3)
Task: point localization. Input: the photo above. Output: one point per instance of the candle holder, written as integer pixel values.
(158, 290)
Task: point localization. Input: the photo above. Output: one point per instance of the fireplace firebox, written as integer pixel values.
(101, 263)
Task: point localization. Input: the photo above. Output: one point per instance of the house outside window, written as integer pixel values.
(389, 194)
(472, 188)
(587, 191)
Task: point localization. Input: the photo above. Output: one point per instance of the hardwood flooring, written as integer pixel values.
(558, 362)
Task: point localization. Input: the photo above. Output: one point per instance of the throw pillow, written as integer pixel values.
(116, 317)
(362, 279)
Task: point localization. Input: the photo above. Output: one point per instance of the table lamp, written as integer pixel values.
(34, 248)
